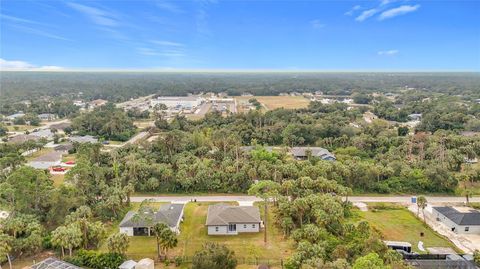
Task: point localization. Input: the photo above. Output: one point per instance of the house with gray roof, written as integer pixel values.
(302, 153)
(231, 220)
(136, 223)
(47, 160)
(465, 221)
(83, 139)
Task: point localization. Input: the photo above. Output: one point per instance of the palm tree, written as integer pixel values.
(169, 240)
(422, 203)
(158, 230)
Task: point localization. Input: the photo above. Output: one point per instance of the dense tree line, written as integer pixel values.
(106, 122)
(18, 86)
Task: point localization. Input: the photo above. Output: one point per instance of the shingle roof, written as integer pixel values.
(53, 156)
(168, 214)
(316, 152)
(23, 138)
(222, 214)
(83, 139)
(460, 218)
(52, 263)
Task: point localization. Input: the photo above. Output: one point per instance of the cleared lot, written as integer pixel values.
(273, 102)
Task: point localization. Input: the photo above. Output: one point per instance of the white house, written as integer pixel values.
(47, 116)
(465, 221)
(140, 223)
(184, 102)
(231, 220)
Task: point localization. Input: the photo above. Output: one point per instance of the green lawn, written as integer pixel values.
(402, 225)
(193, 235)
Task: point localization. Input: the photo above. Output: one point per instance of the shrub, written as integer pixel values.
(95, 260)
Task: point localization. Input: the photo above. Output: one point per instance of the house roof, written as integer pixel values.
(460, 218)
(43, 133)
(64, 147)
(60, 126)
(128, 264)
(23, 138)
(222, 214)
(169, 214)
(83, 139)
(52, 156)
(316, 152)
(52, 263)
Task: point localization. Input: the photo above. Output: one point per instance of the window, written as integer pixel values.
(216, 228)
(467, 229)
(232, 227)
(253, 225)
(244, 226)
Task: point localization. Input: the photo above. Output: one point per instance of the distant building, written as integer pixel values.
(22, 138)
(184, 102)
(302, 153)
(140, 223)
(47, 116)
(63, 147)
(47, 160)
(83, 139)
(15, 116)
(130, 264)
(415, 117)
(464, 222)
(44, 133)
(61, 126)
(230, 220)
(97, 103)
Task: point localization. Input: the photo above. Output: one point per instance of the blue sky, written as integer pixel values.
(379, 35)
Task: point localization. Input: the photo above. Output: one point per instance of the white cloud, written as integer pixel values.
(352, 10)
(367, 14)
(401, 10)
(167, 43)
(96, 15)
(6, 65)
(38, 32)
(168, 6)
(388, 52)
(317, 24)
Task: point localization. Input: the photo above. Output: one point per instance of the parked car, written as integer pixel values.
(70, 162)
(58, 169)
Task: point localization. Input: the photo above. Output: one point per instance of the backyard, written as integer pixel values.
(399, 224)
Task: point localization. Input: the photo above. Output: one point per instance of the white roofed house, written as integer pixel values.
(231, 220)
(136, 223)
(47, 116)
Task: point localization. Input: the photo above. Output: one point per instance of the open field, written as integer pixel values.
(19, 128)
(193, 235)
(273, 102)
(401, 225)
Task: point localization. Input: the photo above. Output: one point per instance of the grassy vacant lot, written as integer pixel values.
(273, 102)
(193, 235)
(402, 225)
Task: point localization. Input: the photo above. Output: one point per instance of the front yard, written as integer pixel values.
(247, 247)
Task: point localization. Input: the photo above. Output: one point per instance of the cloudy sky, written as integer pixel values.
(240, 34)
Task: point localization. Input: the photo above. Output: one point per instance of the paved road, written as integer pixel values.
(246, 198)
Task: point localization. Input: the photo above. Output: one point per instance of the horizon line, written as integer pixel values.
(216, 70)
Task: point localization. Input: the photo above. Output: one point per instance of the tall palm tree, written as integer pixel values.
(422, 203)
(169, 240)
(158, 230)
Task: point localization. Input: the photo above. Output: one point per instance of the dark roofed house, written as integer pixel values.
(64, 147)
(140, 223)
(230, 220)
(464, 222)
(302, 153)
(18, 139)
(53, 263)
(61, 126)
(47, 160)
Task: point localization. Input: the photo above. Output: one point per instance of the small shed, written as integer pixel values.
(145, 264)
(130, 264)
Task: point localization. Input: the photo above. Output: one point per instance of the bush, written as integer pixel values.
(214, 256)
(95, 260)
(178, 261)
(384, 206)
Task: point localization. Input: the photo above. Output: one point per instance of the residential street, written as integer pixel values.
(251, 199)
